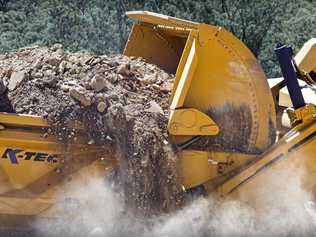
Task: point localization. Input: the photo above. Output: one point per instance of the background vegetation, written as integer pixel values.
(101, 26)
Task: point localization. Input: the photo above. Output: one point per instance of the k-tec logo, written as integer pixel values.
(15, 154)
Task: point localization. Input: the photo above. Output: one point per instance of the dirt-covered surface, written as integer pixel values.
(118, 100)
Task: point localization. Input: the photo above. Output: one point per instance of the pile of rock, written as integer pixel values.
(116, 98)
(87, 78)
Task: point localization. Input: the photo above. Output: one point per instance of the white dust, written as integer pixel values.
(99, 211)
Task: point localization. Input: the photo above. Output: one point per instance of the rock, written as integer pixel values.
(60, 52)
(109, 138)
(46, 67)
(3, 88)
(16, 79)
(62, 67)
(99, 96)
(70, 82)
(88, 60)
(101, 106)
(19, 110)
(27, 49)
(156, 87)
(112, 78)
(98, 83)
(73, 70)
(51, 82)
(65, 88)
(8, 72)
(38, 64)
(5, 81)
(81, 95)
(154, 108)
(48, 72)
(38, 75)
(124, 69)
(95, 61)
(166, 87)
(54, 61)
(91, 142)
(87, 86)
(149, 79)
(119, 77)
(165, 76)
(55, 47)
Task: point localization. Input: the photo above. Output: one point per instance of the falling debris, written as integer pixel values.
(154, 107)
(119, 101)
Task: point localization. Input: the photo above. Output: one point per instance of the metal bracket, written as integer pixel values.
(191, 122)
(306, 113)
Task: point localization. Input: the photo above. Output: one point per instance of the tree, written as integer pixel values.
(101, 26)
(4, 5)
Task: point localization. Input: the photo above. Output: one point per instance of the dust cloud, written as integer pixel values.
(101, 212)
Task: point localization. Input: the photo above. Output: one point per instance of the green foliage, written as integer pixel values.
(101, 26)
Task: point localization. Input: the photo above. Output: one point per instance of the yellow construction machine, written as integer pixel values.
(224, 121)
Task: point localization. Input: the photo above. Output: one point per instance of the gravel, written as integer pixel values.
(121, 101)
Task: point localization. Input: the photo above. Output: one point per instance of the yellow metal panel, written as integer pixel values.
(37, 199)
(24, 120)
(183, 60)
(306, 57)
(202, 167)
(302, 137)
(21, 119)
(292, 176)
(227, 78)
(24, 206)
(26, 172)
(226, 83)
(195, 168)
(155, 46)
(159, 19)
(186, 78)
(29, 179)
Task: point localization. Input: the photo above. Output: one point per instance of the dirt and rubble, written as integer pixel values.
(118, 100)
